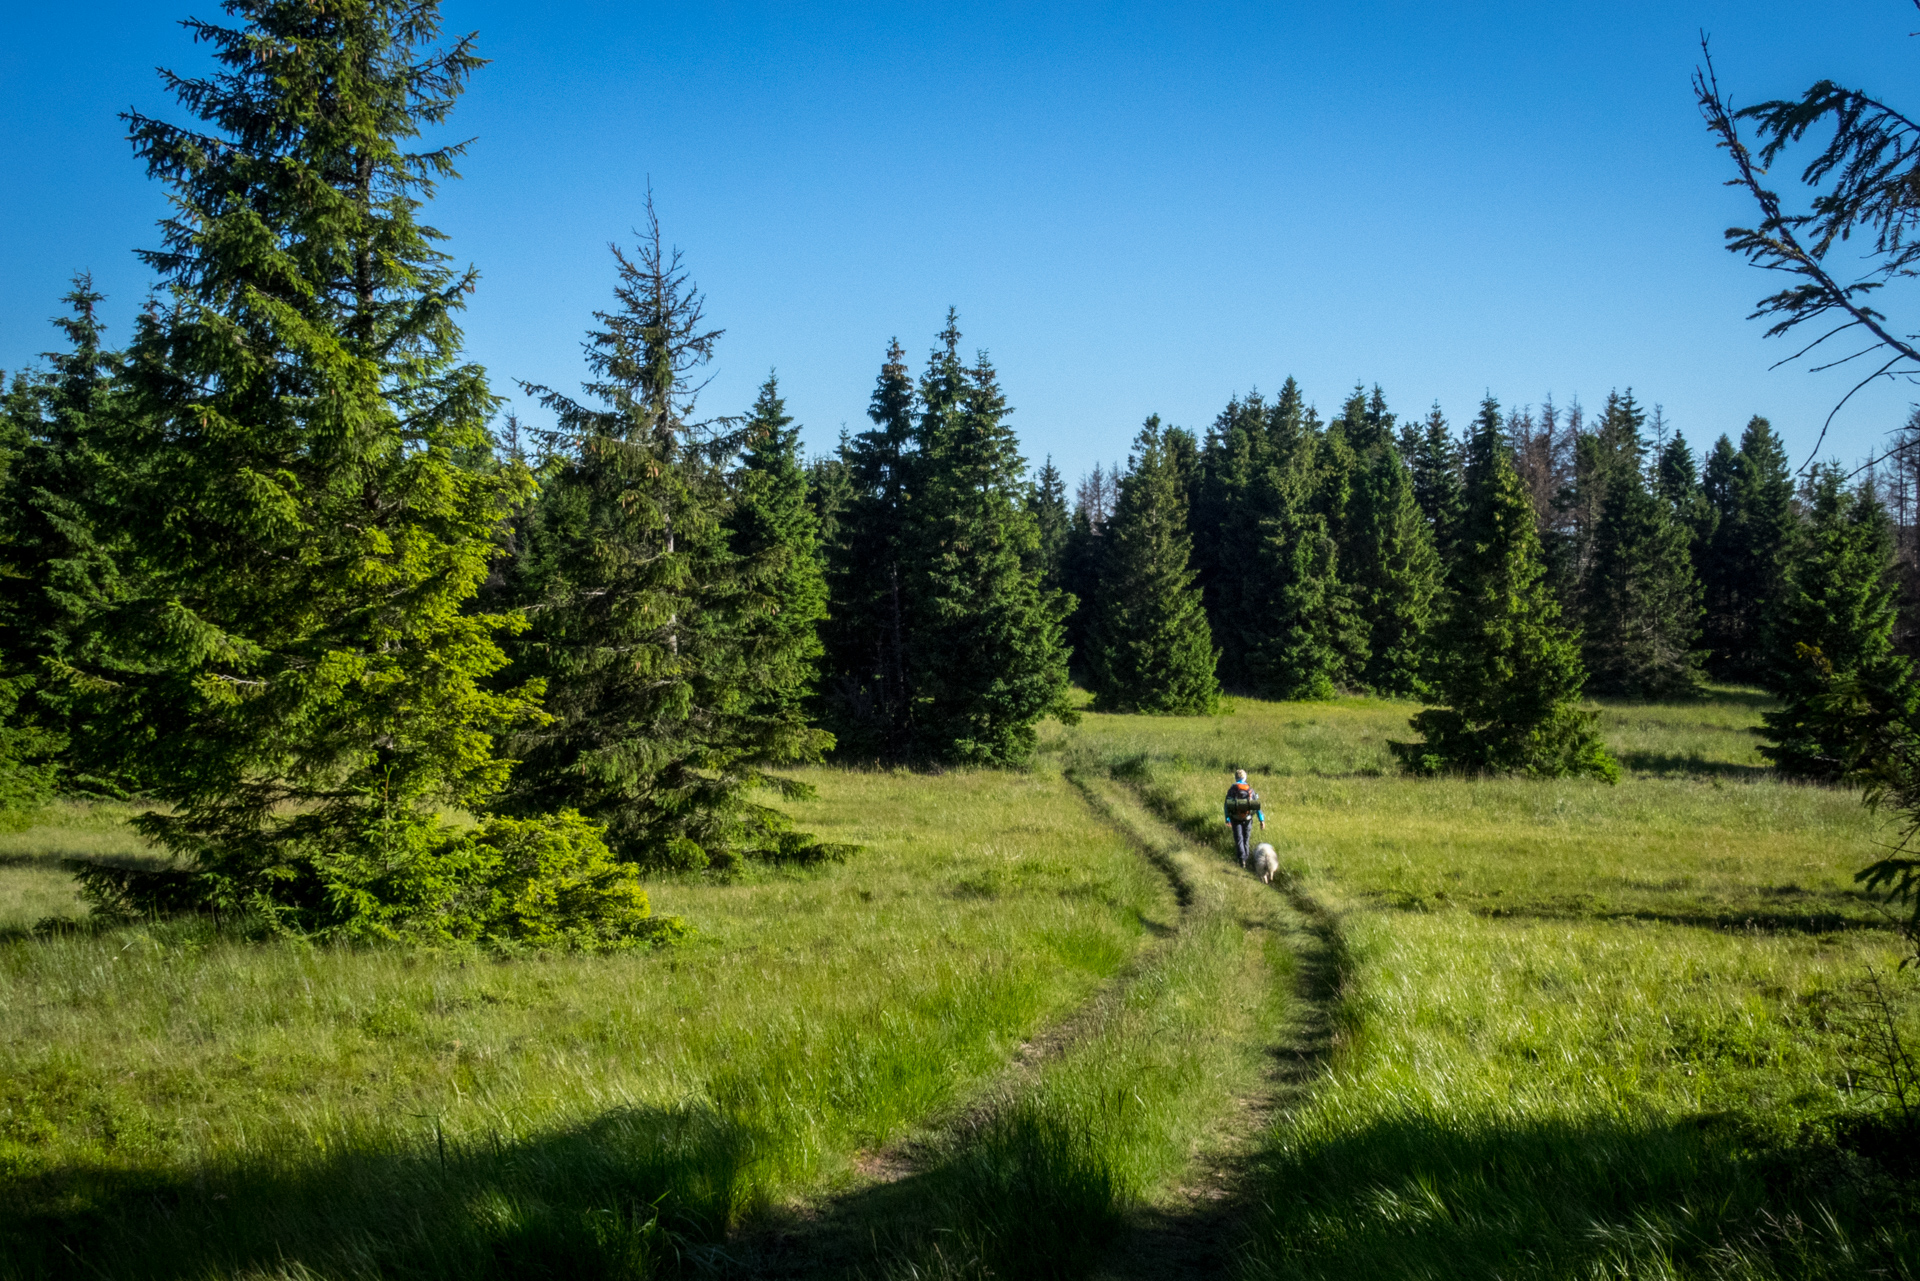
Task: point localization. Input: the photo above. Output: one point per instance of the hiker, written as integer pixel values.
(1242, 808)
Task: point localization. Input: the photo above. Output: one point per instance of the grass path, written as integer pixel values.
(1199, 1223)
(1117, 1142)
(899, 1182)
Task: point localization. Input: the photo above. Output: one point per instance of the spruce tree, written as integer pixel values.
(1080, 560)
(672, 683)
(1639, 600)
(774, 538)
(1387, 557)
(986, 658)
(1719, 594)
(61, 551)
(1677, 480)
(1226, 525)
(1047, 500)
(866, 695)
(1433, 460)
(1509, 672)
(1847, 687)
(1150, 648)
(1300, 632)
(829, 493)
(313, 512)
(1749, 559)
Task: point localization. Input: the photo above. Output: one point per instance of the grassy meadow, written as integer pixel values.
(1040, 1026)
(1586, 1030)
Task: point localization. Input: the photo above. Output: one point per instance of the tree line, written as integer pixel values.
(276, 565)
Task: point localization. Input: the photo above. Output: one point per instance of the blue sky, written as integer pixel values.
(1136, 208)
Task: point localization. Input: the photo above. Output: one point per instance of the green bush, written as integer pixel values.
(543, 882)
(1563, 743)
(26, 773)
(546, 882)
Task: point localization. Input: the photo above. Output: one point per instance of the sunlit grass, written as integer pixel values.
(1589, 1030)
(1585, 1031)
(1040, 1184)
(813, 1013)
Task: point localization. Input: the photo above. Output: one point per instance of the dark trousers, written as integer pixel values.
(1242, 835)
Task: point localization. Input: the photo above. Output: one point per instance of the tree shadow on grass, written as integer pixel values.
(1734, 920)
(1691, 765)
(1417, 1197)
(1025, 1190)
(627, 1195)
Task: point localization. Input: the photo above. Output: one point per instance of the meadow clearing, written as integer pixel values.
(1040, 1026)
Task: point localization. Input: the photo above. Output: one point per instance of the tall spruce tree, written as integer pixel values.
(774, 538)
(986, 657)
(1150, 649)
(1273, 487)
(829, 494)
(672, 684)
(1508, 671)
(1640, 604)
(1387, 557)
(1434, 462)
(1225, 520)
(866, 695)
(1749, 559)
(313, 513)
(1677, 480)
(1047, 500)
(1847, 687)
(1301, 634)
(60, 556)
(1080, 559)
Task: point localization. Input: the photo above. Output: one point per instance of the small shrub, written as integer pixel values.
(26, 768)
(543, 882)
(1561, 744)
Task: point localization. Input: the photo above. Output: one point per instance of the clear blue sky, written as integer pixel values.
(1136, 208)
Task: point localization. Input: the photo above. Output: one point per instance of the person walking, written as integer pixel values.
(1242, 808)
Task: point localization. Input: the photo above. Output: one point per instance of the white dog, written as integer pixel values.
(1264, 862)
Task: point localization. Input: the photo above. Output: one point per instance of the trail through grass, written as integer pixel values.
(1134, 1130)
(1525, 1029)
(1587, 1031)
(175, 1103)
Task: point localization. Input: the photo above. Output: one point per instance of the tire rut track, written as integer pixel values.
(823, 1238)
(1201, 1228)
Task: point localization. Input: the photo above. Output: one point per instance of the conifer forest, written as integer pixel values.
(625, 842)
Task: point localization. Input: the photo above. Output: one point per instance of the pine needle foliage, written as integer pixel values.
(673, 685)
(944, 644)
(1433, 459)
(1047, 500)
(314, 510)
(1274, 487)
(774, 537)
(59, 549)
(1746, 572)
(866, 695)
(987, 655)
(1302, 633)
(1387, 556)
(1848, 686)
(1640, 603)
(1507, 668)
(1152, 650)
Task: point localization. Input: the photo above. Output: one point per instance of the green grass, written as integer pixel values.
(35, 885)
(1588, 1031)
(174, 1103)
(1565, 1030)
(1040, 1182)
